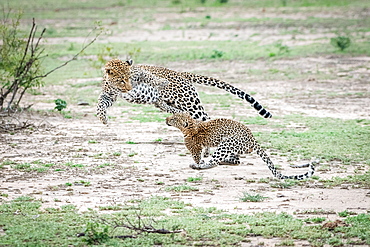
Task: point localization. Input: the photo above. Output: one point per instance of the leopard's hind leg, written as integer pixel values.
(223, 154)
(231, 159)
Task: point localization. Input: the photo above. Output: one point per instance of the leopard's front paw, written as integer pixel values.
(197, 166)
(103, 118)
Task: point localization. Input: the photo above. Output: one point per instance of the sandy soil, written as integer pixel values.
(145, 169)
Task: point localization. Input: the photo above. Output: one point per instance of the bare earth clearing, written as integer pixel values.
(118, 171)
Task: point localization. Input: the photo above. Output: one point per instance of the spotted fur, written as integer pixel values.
(230, 138)
(168, 90)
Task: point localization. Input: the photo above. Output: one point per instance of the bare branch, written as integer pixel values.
(28, 44)
(140, 227)
(67, 62)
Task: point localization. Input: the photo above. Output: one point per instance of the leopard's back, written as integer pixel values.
(220, 129)
(191, 78)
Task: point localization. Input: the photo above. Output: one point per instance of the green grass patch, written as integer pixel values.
(194, 179)
(255, 120)
(252, 197)
(361, 180)
(35, 166)
(26, 223)
(88, 11)
(284, 184)
(73, 165)
(314, 220)
(325, 138)
(182, 188)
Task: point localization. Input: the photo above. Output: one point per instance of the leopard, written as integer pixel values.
(170, 91)
(230, 138)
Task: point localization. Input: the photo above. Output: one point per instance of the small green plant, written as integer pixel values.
(96, 233)
(110, 207)
(264, 180)
(284, 184)
(287, 242)
(23, 166)
(104, 165)
(182, 188)
(340, 42)
(132, 154)
(116, 154)
(60, 104)
(217, 54)
(7, 162)
(196, 179)
(247, 197)
(70, 164)
(130, 142)
(82, 182)
(281, 49)
(314, 220)
(66, 114)
(346, 213)
(335, 242)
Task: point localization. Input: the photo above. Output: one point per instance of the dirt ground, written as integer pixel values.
(118, 171)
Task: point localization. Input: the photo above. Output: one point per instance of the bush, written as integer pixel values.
(20, 64)
(20, 60)
(341, 42)
(60, 104)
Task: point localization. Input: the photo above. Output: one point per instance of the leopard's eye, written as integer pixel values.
(109, 71)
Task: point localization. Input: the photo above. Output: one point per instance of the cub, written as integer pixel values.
(230, 138)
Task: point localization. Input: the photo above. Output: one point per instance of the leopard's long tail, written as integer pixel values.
(277, 174)
(209, 81)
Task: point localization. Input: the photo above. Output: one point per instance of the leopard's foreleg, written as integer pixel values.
(105, 101)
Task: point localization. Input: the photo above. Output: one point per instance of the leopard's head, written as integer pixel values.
(117, 73)
(180, 120)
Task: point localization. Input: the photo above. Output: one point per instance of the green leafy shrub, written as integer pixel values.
(60, 104)
(340, 42)
(20, 66)
(21, 60)
(96, 233)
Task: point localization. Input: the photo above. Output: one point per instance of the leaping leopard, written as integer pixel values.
(231, 139)
(169, 90)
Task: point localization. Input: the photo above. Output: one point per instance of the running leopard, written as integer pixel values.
(230, 138)
(169, 90)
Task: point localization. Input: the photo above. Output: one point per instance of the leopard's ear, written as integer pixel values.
(129, 62)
